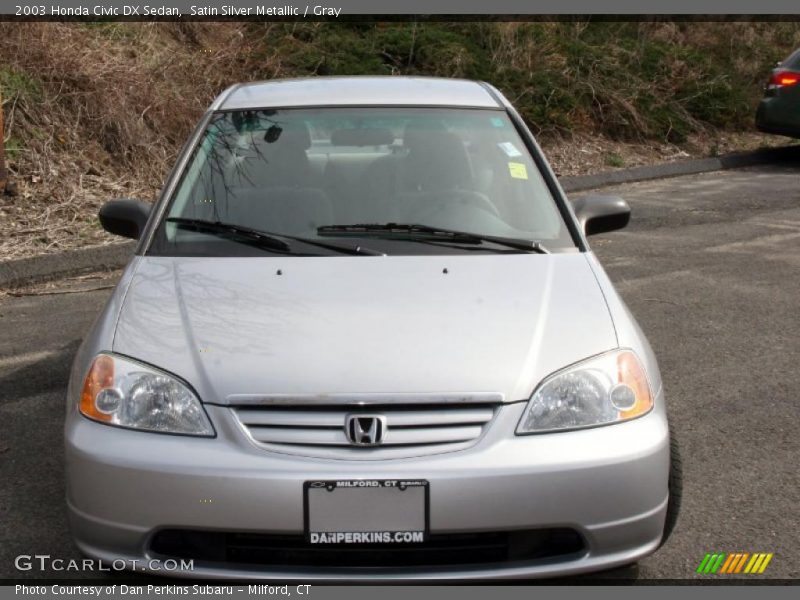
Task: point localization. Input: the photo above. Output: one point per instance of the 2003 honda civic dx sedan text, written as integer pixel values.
(363, 336)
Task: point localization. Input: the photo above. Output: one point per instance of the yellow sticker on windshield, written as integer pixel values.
(517, 170)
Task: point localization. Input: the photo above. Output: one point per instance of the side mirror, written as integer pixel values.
(599, 214)
(124, 217)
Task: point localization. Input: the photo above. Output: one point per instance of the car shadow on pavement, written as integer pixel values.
(619, 575)
(44, 375)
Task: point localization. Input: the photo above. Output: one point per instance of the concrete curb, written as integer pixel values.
(71, 262)
(684, 167)
(41, 268)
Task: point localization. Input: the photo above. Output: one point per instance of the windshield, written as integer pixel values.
(291, 172)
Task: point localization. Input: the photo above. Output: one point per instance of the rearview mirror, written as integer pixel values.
(368, 136)
(124, 217)
(599, 214)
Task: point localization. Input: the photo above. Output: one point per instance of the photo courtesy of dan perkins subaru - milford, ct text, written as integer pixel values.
(159, 590)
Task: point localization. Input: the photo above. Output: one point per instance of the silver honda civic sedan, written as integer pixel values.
(363, 337)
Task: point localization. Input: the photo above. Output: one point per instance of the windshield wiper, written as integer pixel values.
(239, 231)
(428, 233)
(266, 239)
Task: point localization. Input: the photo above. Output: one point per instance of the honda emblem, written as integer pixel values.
(365, 430)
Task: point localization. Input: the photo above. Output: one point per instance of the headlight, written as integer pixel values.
(605, 389)
(122, 392)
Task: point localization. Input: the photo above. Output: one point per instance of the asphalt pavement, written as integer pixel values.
(710, 267)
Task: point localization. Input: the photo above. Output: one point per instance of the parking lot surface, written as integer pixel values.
(710, 267)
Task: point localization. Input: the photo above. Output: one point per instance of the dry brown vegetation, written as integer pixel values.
(99, 110)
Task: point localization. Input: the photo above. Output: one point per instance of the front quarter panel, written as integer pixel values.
(629, 334)
(100, 336)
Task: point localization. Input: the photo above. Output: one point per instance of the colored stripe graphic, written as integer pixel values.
(711, 562)
(718, 564)
(754, 563)
(764, 564)
(742, 560)
(703, 563)
(732, 559)
(729, 563)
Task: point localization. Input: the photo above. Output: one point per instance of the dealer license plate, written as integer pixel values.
(366, 511)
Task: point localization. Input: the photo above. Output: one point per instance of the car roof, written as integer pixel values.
(792, 61)
(358, 91)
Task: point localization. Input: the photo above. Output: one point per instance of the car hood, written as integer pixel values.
(319, 326)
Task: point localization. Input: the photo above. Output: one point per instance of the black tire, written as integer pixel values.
(675, 487)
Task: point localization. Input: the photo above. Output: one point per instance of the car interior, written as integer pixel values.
(283, 179)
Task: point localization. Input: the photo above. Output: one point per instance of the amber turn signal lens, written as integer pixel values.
(100, 377)
(631, 373)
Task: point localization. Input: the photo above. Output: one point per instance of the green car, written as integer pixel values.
(779, 110)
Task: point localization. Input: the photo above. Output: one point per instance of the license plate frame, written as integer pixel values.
(364, 488)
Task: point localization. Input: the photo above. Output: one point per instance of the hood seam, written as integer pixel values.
(123, 300)
(603, 294)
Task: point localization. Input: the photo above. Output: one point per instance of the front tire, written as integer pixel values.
(675, 487)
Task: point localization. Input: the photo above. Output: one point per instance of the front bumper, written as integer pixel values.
(608, 483)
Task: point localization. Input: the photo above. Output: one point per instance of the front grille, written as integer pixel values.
(451, 549)
(318, 430)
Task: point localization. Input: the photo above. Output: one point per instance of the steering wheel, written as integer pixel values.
(453, 202)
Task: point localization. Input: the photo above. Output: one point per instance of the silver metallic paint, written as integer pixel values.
(358, 91)
(352, 326)
(494, 323)
(609, 483)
